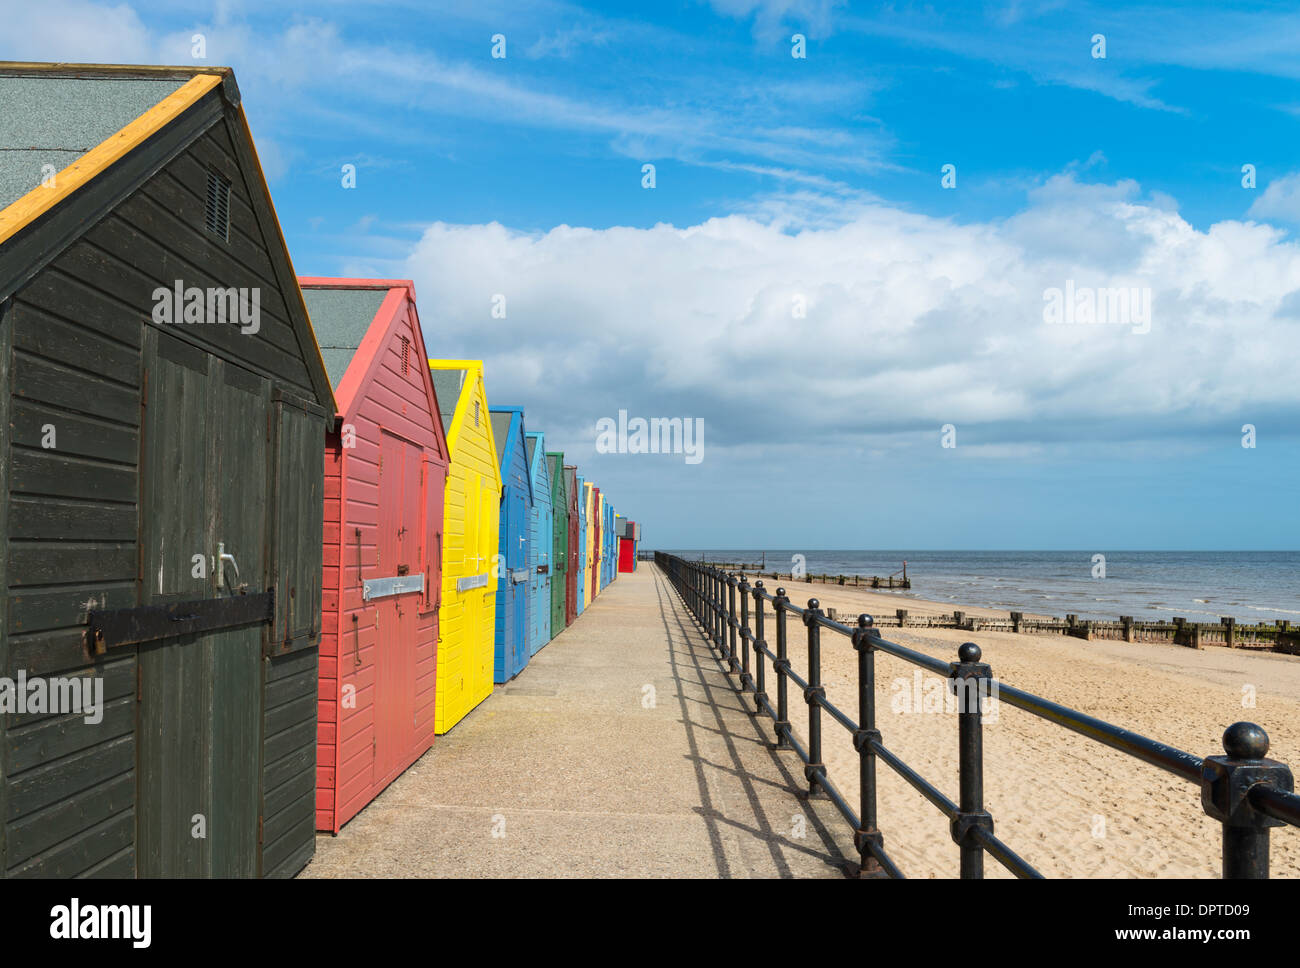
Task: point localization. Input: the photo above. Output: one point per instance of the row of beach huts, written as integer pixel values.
(257, 547)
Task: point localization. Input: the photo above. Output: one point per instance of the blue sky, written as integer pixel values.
(817, 180)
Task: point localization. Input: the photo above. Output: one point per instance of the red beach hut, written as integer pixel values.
(385, 474)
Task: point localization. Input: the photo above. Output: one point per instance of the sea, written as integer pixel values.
(1201, 586)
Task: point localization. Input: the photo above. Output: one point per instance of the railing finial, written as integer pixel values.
(1245, 741)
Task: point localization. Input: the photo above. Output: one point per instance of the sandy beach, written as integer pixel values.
(1069, 806)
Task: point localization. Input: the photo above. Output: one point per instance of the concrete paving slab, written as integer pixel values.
(622, 750)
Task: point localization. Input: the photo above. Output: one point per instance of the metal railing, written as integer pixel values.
(1246, 792)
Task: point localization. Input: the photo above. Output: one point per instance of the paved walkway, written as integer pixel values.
(621, 751)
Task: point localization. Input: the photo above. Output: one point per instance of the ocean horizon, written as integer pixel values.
(1201, 586)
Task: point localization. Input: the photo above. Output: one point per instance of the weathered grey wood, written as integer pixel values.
(76, 435)
(6, 355)
(42, 653)
(40, 380)
(167, 445)
(34, 789)
(72, 345)
(70, 519)
(40, 564)
(54, 474)
(88, 847)
(63, 820)
(58, 736)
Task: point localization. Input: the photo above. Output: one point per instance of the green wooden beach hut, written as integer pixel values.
(560, 538)
(164, 409)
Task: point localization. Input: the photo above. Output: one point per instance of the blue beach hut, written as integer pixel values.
(582, 543)
(540, 535)
(511, 652)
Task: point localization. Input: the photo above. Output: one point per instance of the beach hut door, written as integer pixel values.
(203, 481)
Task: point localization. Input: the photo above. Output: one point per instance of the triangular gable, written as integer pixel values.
(467, 375)
(513, 419)
(41, 224)
(355, 321)
(571, 486)
(559, 480)
(538, 469)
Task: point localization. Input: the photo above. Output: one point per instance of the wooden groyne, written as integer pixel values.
(898, 580)
(1278, 636)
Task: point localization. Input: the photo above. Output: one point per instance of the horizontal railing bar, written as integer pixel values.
(922, 785)
(796, 745)
(1275, 803)
(1004, 855)
(1157, 754)
(837, 798)
(797, 679)
(878, 852)
(836, 715)
(1150, 751)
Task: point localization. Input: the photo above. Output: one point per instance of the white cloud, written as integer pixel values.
(73, 31)
(1280, 200)
(911, 321)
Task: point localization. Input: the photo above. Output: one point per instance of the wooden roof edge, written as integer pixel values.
(437, 364)
(339, 282)
(138, 71)
(311, 346)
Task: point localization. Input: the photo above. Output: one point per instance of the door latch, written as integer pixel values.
(222, 557)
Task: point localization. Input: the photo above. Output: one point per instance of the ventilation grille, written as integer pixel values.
(406, 355)
(217, 214)
(475, 413)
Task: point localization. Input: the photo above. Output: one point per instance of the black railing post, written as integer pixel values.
(782, 666)
(868, 834)
(722, 612)
(814, 769)
(732, 625)
(1225, 795)
(968, 678)
(746, 683)
(760, 695)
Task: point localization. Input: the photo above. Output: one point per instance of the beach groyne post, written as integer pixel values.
(969, 680)
(1228, 785)
(814, 769)
(782, 667)
(760, 643)
(867, 838)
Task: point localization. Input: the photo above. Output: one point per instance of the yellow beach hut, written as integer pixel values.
(471, 520)
(589, 509)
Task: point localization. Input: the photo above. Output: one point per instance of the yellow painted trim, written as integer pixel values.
(332, 403)
(40, 199)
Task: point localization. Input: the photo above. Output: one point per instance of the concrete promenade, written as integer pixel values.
(620, 751)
